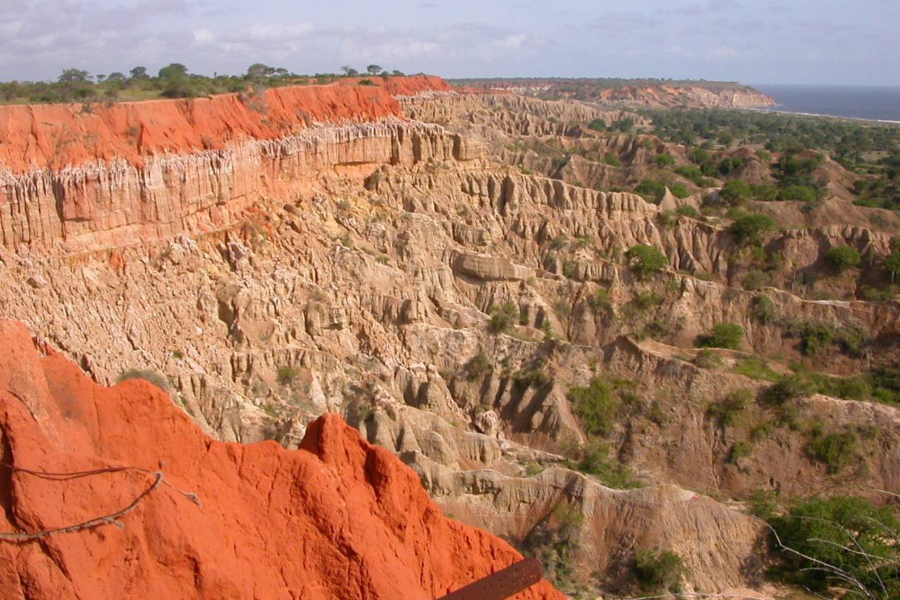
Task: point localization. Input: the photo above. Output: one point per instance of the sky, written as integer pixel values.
(841, 42)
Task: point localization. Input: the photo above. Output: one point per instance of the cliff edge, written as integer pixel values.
(338, 518)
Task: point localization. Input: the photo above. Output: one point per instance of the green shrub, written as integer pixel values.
(612, 160)
(757, 369)
(650, 190)
(735, 192)
(686, 210)
(593, 459)
(755, 280)
(788, 389)
(478, 367)
(707, 359)
(660, 570)
(646, 260)
(835, 450)
(892, 265)
(596, 405)
(728, 410)
(646, 300)
(749, 229)
(664, 160)
(842, 258)
(679, 191)
(798, 193)
(600, 301)
(815, 336)
(287, 375)
(723, 335)
(762, 309)
(739, 450)
(503, 318)
(533, 376)
(160, 381)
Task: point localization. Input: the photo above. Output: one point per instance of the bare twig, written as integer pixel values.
(110, 519)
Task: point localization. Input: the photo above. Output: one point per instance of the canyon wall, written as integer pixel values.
(145, 171)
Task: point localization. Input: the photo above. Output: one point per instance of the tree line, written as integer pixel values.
(172, 81)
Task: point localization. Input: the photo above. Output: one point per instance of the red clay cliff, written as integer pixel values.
(55, 136)
(337, 519)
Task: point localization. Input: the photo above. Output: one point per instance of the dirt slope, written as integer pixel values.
(337, 519)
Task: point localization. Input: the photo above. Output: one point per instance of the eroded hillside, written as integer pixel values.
(426, 267)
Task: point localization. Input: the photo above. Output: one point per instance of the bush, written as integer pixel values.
(287, 375)
(749, 229)
(686, 210)
(596, 405)
(762, 309)
(533, 376)
(892, 265)
(842, 258)
(707, 359)
(646, 260)
(836, 450)
(600, 302)
(820, 530)
(727, 410)
(593, 459)
(664, 160)
(755, 280)
(153, 377)
(735, 192)
(650, 190)
(478, 367)
(723, 335)
(503, 318)
(612, 160)
(757, 369)
(739, 450)
(658, 569)
(679, 191)
(788, 389)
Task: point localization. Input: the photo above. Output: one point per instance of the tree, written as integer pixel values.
(749, 229)
(723, 335)
(646, 260)
(374, 69)
(259, 71)
(173, 71)
(892, 265)
(841, 258)
(139, 73)
(116, 77)
(397, 73)
(845, 542)
(733, 192)
(74, 76)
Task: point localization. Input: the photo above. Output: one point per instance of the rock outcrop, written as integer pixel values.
(337, 518)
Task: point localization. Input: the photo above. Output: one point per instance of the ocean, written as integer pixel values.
(856, 102)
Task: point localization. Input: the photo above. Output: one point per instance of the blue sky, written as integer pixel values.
(753, 41)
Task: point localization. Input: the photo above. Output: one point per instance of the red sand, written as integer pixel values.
(338, 519)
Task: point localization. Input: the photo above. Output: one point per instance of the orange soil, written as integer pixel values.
(59, 135)
(337, 519)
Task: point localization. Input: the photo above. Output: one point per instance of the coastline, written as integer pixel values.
(775, 110)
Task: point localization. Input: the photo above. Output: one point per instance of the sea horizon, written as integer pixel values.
(862, 102)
